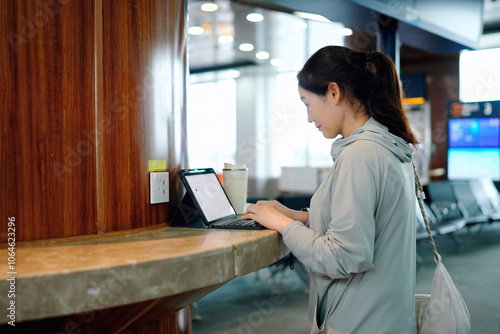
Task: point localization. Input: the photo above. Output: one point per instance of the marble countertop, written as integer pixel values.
(80, 276)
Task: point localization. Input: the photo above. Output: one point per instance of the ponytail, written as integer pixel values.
(371, 79)
(385, 96)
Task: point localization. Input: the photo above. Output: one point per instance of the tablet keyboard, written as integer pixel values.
(243, 223)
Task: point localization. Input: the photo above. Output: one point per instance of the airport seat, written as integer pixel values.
(464, 195)
(448, 206)
(439, 224)
(492, 191)
(487, 197)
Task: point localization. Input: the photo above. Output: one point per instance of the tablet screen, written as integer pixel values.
(210, 195)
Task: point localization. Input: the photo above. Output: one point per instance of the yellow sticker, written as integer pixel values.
(157, 165)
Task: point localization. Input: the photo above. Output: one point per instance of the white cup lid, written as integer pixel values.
(229, 165)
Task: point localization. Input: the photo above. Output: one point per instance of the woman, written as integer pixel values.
(358, 237)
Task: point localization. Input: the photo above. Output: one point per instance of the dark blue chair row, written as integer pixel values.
(477, 201)
(453, 205)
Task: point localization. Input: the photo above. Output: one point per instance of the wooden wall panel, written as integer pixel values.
(90, 91)
(143, 47)
(47, 118)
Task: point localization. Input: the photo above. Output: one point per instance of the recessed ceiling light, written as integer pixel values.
(195, 30)
(255, 17)
(345, 32)
(225, 39)
(209, 7)
(246, 47)
(262, 55)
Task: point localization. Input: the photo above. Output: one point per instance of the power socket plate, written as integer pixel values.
(158, 187)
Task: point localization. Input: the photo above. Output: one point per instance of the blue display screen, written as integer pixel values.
(474, 132)
(473, 163)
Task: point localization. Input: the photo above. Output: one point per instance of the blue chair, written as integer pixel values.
(445, 203)
(487, 197)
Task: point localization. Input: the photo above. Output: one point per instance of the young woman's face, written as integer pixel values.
(324, 111)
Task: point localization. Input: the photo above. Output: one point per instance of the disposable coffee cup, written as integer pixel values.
(235, 178)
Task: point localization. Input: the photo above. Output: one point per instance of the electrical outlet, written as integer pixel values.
(158, 187)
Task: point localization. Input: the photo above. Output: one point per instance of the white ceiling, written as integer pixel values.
(286, 38)
(281, 34)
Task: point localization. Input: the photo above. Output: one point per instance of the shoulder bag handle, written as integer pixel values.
(420, 196)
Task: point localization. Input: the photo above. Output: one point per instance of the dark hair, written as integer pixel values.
(369, 78)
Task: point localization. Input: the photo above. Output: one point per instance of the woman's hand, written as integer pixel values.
(267, 215)
(301, 216)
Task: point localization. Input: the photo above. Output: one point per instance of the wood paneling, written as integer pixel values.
(90, 91)
(47, 156)
(144, 84)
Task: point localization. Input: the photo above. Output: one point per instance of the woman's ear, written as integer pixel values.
(334, 91)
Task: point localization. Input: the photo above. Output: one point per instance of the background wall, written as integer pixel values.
(442, 74)
(89, 91)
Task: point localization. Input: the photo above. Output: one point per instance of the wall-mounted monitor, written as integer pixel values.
(474, 132)
(473, 140)
(473, 163)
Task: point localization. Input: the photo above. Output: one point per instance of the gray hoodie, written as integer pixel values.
(360, 238)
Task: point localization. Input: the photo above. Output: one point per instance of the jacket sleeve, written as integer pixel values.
(347, 246)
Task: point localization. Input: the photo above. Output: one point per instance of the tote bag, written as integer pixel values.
(443, 311)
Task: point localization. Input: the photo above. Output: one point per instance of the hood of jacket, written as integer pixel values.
(376, 132)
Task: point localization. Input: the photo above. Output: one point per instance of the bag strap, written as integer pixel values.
(420, 196)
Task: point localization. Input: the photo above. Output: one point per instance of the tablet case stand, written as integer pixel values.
(187, 215)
